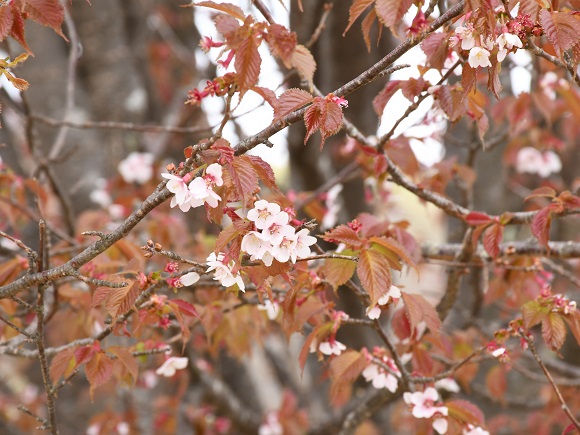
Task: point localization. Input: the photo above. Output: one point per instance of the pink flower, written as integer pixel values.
(264, 213)
(171, 365)
(423, 403)
(207, 43)
(137, 168)
(479, 57)
(447, 384)
(381, 378)
(255, 244)
(338, 100)
(532, 161)
(201, 188)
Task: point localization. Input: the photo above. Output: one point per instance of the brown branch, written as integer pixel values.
(321, 25)
(264, 11)
(530, 340)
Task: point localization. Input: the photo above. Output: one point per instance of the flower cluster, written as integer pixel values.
(223, 272)
(216, 87)
(137, 168)
(275, 238)
(198, 192)
(532, 161)
(381, 377)
(394, 293)
(423, 403)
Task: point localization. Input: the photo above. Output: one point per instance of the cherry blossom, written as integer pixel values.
(330, 347)
(275, 233)
(423, 403)
(201, 188)
(264, 214)
(189, 278)
(271, 426)
(171, 365)
(506, 41)
(474, 430)
(137, 168)
(375, 312)
(332, 207)
(447, 384)
(532, 161)
(465, 35)
(303, 242)
(440, 425)
(223, 272)
(479, 57)
(286, 247)
(380, 377)
(182, 195)
(271, 308)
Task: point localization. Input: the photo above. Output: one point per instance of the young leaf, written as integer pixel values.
(540, 225)
(554, 331)
(476, 218)
(355, 11)
(383, 97)
(563, 29)
(244, 178)
(533, 313)
(127, 360)
(325, 116)
(419, 309)
(374, 273)
(228, 8)
(573, 320)
(62, 364)
(291, 100)
(98, 370)
(121, 300)
(304, 63)
(492, 237)
(266, 174)
(390, 12)
(435, 47)
(282, 43)
(49, 13)
(337, 271)
(247, 63)
(394, 246)
(343, 234)
(366, 26)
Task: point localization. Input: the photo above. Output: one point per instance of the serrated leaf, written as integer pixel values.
(347, 366)
(563, 29)
(268, 95)
(226, 236)
(435, 47)
(412, 87)
(492, 237)
(247, 63)
(541, 192)
(391, 12)
(266, 174)
(540, 225)
(324, 116)
(282, 43)
(84, 354)
(49, 13)
(304, 63)
(337, 271)
(291, 100)
(465, 412)
(121, 300)
(244, 178)
(62, 364)
(366, 26)
(355, 11)
(394, 246)
(533, 313)
(228, 8)
(98, 370)
(343, 234)
(554, 331)
(493, 82)
(383, 97)
(127, 360)
(6, 20)
(419, 309)
(229, 28)
(374, 273)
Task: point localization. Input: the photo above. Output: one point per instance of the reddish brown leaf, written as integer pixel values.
(366, 26)
(573, 320)
(412, 88)
(476, 218)
(49, 13)
(6, 20)
(86, 353)
(282, 43)
(435, 47)
(394, 246)
(185, 308)
(98, 370)
(325, 116)
(268, 95)
(383, 97)
(468, 79)
(128, 361)
(466, 412)
(291, 100)
(553, 331)
(62, 364)
(492, 237)
(419, 309)
(228, 8)
(347, 366)
(540, 225)
(343, 234)
(244, 178)
(337, 271)
(266, 174)
(304, 63)
(374, 273)
(17, 31)
(247, 63)
(355, 11)
(496, 382)
(390, 12)
(563, 29)
(226, 236)
(493, 83)
(228, 27)
(541, 192)
(10, 269)
(401, 325)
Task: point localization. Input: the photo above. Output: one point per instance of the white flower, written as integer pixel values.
(137, 168)
(381, 378)
(189, 278)
(263, 214)
(505, 42)
(465, 34)
(375, 312)
(440, 425)
(171, 365)
(182, 196)
(330, 347)
(257, 246)
(274, 232)
(448, 384)
(287, 245)
(424, 403)
(303, 242)
(100, 195)
(201, 188)
(479, 57)
(474, 430)
(271, 308)
(498, 352)
(533, 161)
(271, 426)
(223, 272)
